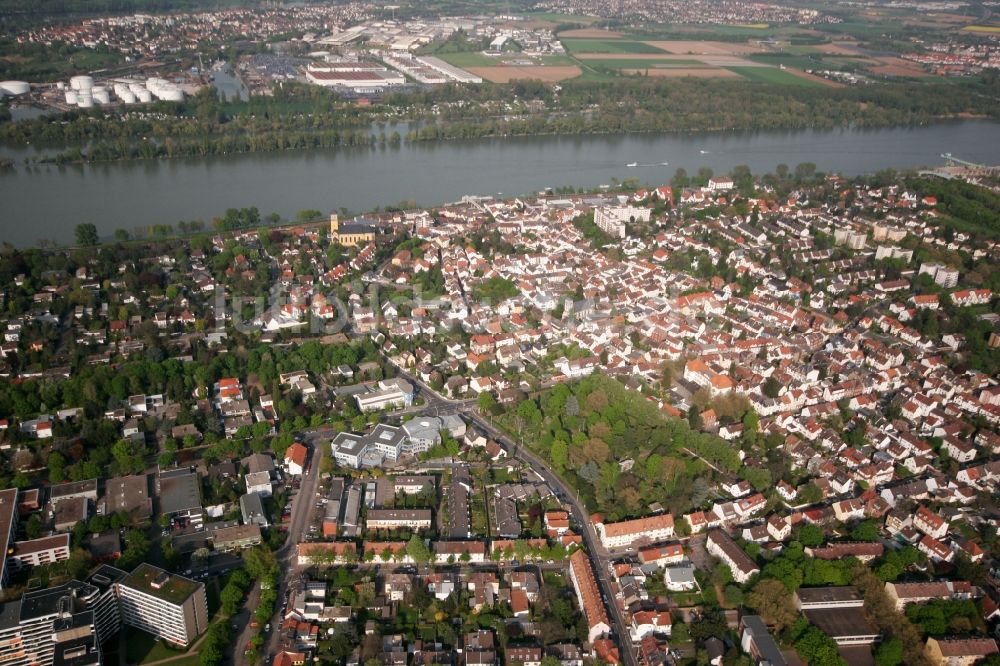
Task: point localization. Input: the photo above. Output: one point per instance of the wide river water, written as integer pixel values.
(48, 201)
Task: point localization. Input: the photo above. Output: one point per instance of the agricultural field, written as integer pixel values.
(680, 72)
(547, 73)
(788, 60)
(775, 76)
(641, 63)
(703, 47)
(608, 46)
(591, 33)
(468, 59)
(988, 29)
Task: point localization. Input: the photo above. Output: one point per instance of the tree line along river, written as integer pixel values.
(46, 202)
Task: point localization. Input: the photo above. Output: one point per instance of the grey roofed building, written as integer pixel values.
(348, 448)
(757, 641)
(180, 491)
(129, 494)
(70, 511)
(507, 521)
(70, 489)
(252, 509)
(385, 491)
(413, 484)
(104, 546)
(387, 439)
(454, 424)
(459, 518)
(679, 578)
(258, 462)
(423, 433)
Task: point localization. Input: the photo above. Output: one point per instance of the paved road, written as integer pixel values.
(303, 506)
(599, 557)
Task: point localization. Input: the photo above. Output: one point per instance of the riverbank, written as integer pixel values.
(115, 152)
(302, 118)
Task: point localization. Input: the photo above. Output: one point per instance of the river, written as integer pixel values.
(48, 201)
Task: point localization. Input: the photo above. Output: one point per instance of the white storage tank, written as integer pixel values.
(136, 88)
(71, 97)
(127, 96)
(144, 96)
(85, 99)
(153, 83)
(101, 95)
(81, 83)
(15, 87)
(171, 94)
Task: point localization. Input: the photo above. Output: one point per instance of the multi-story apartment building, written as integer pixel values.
(168, 606)
(722, 546)
(629, 532)
(59, 625)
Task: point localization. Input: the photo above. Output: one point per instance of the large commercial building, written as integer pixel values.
(168, 606)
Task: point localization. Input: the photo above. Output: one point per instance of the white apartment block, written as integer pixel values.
(943, 275)
(170, 607)
(612, 220)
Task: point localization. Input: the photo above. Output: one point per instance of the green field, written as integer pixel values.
(640, 63)
(608, 46)
(774, 76)
(469, 59)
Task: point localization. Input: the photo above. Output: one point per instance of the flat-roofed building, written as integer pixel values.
(827, 608)
(8, 522)
(57, 621)
(35, 552)
(390, 394)
(62, 491)
(259, 483)
(388, 519)
(70, 511)
(107, 614)
(236, 537)
(129, 494)
(180, 495)
(168, 606)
